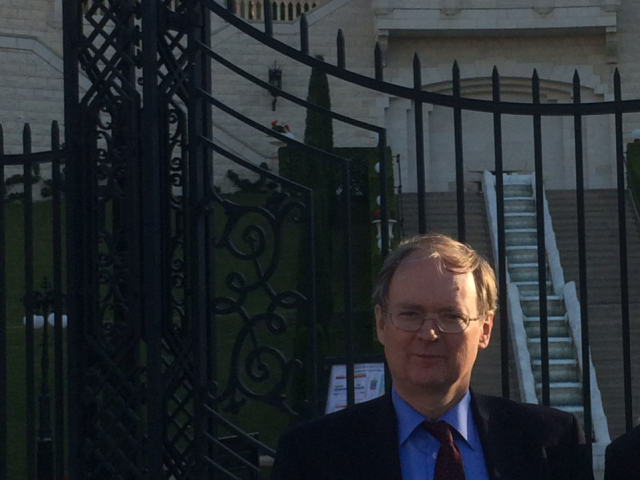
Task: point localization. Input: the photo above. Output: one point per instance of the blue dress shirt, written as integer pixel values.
(419, 449)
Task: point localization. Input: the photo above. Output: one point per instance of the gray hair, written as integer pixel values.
(451, 255)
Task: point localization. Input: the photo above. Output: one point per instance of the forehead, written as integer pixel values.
(421, 279)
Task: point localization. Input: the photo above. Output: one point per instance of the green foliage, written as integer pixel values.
(365, 188)
(319, 127)
(19, 180)
(320, 173)
(16, 346)
(633, 170)
(262, 185)
(15, 180)
(316, 171)
(46, 190)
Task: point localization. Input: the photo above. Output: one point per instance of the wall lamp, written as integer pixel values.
(275, 80)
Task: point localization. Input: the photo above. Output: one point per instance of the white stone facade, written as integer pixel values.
(554, 37)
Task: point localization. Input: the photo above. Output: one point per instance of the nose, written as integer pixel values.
(429, 330)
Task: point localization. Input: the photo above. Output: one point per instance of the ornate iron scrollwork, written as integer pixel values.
(250, 237)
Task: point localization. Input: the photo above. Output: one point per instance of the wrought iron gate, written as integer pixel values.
(162, 267)
(183, 306)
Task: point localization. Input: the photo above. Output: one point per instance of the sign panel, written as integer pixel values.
(369, 384)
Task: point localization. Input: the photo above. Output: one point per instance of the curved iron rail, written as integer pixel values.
(504, 108)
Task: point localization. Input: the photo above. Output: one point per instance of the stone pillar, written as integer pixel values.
(399, 137)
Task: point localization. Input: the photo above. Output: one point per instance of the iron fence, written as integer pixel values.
(183, 309)
(32, 429)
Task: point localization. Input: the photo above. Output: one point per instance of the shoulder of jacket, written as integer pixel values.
(354, 415)
(529, 411)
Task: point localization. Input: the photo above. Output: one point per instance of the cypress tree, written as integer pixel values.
(317, 173)
(319, 134)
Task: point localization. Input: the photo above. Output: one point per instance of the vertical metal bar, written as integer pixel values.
(624, 268)
(3, 318)
(457, 128)
(45, 440)
(151, 184)
(382, 161)
(502, 256)
(419, 128)
(399, 198)
(542, 250)
(211, 325)
(268, 18)
(378, 62)
(341, 50)
(304, 34)
(58, 340)
(313, 314)
(348, 282)
(28, 303)
(384, 193)
(209, 343)
(72, 28)
(582, 262)
(195, 275)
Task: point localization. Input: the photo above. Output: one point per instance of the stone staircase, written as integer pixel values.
(442, 218)
(603, 282)
(565, 387)
(603, 275)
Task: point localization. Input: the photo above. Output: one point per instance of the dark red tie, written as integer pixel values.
(449, 463)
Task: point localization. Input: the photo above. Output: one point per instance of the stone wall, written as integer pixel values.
(554, 58)
(355, 18)
(31, 87)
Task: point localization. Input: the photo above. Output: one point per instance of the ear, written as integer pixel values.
(379, 324)
(485, 331)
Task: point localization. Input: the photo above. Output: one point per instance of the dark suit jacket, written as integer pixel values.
(520, 442)
(622, 457)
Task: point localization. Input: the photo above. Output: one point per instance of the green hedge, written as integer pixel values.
(633, 170)
(365, 188)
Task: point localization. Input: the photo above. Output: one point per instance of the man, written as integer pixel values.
(622, 457)
(435, 301)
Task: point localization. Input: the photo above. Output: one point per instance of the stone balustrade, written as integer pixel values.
(283, 11)
(252, 10)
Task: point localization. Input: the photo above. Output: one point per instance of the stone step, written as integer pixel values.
(520, 220)
(559, 348)
(531, 306)
(518, 190)
(557, 326)
(530, 289)
(562, 393)
(522, 236)
(519, 205)
(560, 370)
(523, 272)
(603, 275)
(522, 253)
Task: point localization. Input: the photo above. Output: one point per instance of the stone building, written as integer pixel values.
(592, 37)
(554, 38)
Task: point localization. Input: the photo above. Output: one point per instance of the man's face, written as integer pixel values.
(428, 361)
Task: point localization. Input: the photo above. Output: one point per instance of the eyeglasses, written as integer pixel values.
(447, 322)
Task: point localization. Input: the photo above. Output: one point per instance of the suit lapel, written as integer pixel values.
(504, 441)
(383, 458)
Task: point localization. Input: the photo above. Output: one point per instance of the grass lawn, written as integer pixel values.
(16, 335)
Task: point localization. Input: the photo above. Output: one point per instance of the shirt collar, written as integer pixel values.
(408, 418)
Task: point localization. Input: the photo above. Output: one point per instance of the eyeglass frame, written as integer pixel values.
(436, 317)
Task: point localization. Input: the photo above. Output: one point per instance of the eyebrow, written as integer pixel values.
(415, 306)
